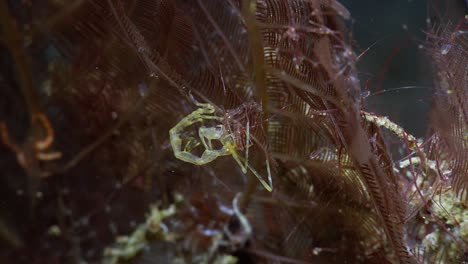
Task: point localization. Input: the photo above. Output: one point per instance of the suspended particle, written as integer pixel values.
(54, 230)
(445, 49)
(142, 89)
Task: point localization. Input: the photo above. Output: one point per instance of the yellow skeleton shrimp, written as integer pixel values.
(208, 134)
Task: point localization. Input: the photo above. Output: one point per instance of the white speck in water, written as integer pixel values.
(114, 115)
(317, 251)
(113, 227)
(84, 221)
(460, 32)
(226, 209)
(208, 232)
(142, 89)
(444, 50)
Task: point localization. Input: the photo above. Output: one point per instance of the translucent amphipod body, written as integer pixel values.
(228, 133)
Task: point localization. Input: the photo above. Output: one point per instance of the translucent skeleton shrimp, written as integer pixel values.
(223, 133)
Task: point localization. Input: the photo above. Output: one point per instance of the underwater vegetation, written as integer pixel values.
(220, 131)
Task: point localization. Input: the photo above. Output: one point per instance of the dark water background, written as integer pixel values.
(396, 29)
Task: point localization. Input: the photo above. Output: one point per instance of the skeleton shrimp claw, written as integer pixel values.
(205, 112)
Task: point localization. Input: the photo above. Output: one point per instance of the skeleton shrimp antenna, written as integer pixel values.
(371, 46)
(203, 97)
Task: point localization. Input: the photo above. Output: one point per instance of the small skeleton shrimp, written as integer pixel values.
(229, 134)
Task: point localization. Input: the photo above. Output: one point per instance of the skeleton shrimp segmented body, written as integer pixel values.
(230, 134)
